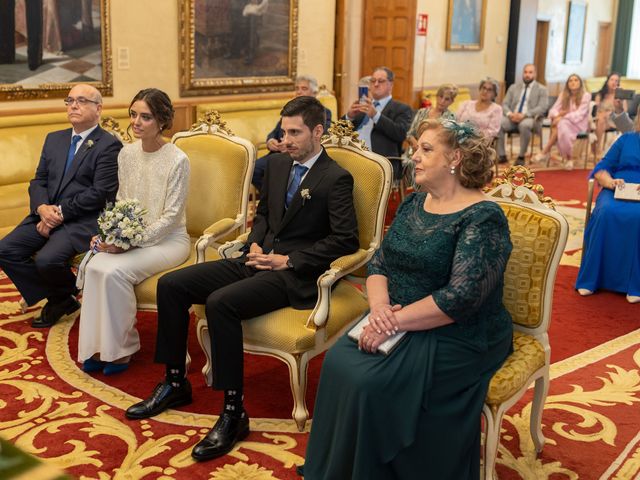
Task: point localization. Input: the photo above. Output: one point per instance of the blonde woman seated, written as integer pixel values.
(611, 259)
(157, 174)
(569, 116)
(445, 96)
(439, 277)
(484, 113)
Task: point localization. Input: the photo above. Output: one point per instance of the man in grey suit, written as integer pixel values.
(521, 105)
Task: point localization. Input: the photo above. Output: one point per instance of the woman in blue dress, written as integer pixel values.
(439, 276)
(611, 257)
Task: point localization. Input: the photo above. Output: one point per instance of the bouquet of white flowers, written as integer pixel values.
(121, 224)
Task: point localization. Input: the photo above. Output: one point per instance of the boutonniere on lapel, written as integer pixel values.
(304, 193)
(89, 144)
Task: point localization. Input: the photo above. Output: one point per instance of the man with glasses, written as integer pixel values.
(379, 120)
(76, 176)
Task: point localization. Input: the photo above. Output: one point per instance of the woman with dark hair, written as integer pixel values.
(569, 116)
(438, 277)
(484, 113)
(156, 173)
(611, 258)
(604, 103)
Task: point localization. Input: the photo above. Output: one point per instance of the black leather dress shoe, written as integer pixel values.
(52, 312)
(222, 437)
(164, 396)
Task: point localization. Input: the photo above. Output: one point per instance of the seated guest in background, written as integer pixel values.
(445, 96)
(379, 120)
(294, 239)
(611, 259)
(306, 85)
(620, 117)
(569, 116)
(439, 276)
(604, 99)
(484, 113)
(156, 173)
(523, 104)
(76, 176)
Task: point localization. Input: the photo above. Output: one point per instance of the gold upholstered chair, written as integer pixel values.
(296, 336)
(539, 235)
(221, 168)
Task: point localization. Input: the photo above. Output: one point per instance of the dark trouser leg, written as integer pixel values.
(226, 308)
(180, 289)
(49, 274)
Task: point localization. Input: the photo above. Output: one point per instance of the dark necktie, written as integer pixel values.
(376, 104)
(524, 96)
(298, 173)
(72, 151)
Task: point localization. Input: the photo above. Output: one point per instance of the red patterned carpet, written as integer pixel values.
(50, 408)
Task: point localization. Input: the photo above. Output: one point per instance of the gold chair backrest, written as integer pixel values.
(221, 169)
(538, 235)
(372, 182)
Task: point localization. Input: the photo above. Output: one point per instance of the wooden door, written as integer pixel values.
(603, 58)
(339, 70)
(388, 38)
(540, 53)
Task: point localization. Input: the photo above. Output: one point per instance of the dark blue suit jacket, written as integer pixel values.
(92, 180)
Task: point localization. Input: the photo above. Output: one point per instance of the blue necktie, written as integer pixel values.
(298, 173)
(72, 151)
(524, 96)
(376, 104)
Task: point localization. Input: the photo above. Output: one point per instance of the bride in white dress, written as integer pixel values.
(157, 174)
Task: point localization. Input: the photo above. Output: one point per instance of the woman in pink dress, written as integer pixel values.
(484, 113)
(569, 116)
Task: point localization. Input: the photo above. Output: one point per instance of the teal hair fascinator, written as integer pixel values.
(462, 130)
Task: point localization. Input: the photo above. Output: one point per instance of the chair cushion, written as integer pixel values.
(527, 357)
(285, 329)
(146, 290)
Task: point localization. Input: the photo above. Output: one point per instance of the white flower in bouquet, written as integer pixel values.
(123, 224)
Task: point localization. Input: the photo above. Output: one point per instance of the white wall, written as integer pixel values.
(459, 66)
(556, 12)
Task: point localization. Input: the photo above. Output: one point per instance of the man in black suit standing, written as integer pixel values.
(304, 221)
(77, 174)
(379, 120)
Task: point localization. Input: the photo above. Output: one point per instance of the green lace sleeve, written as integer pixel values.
(479, 261)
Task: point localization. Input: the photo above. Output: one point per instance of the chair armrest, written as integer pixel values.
(213, 232)
(229, 248)
(339, 268)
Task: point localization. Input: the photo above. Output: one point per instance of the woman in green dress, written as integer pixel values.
(439, 275)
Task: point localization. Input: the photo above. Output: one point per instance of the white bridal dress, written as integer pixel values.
(159, 180)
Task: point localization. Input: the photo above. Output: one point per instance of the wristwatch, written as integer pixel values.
(289, 263)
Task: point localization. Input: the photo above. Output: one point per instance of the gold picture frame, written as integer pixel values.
(233, 46)
(465, 24)
(69, 54)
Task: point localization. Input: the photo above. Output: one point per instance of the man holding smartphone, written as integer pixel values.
(620, 116)
(379, 120)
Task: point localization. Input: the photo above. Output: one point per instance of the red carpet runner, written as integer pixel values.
(50, 408)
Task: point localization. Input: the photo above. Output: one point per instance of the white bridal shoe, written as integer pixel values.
(584, 292)
(633, 299)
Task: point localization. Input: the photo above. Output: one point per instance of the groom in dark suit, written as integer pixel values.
(305, 220)
(77, 174)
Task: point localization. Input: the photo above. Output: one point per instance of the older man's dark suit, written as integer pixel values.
(91, 181)
(312, 231)
(390, 130)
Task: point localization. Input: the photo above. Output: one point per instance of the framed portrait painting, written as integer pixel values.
(465, 24)
(47, 46)
(576, 24)
(237, 46)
